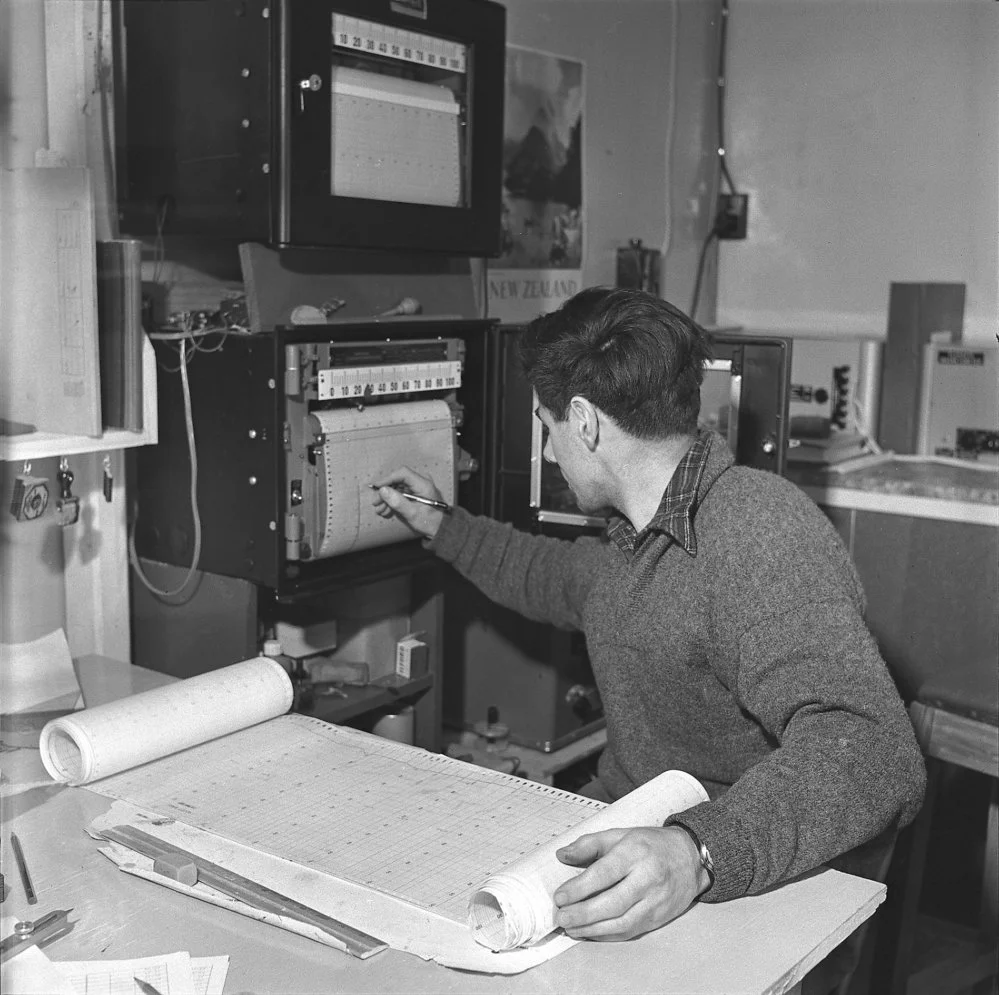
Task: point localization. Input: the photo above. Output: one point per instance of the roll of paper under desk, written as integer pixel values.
(516, 907)
(104, 740)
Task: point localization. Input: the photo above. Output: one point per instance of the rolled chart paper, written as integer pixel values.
(107, 739)
(516, 906)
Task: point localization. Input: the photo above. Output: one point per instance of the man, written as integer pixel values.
(723, 621)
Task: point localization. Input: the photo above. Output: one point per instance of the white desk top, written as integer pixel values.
(752, 946)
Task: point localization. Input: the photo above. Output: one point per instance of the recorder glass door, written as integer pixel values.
(398, 114)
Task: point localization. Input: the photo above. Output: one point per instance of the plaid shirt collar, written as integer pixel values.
(675, 515)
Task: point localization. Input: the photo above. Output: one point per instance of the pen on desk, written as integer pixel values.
(429, 502)
(145, 987)
(22, 867)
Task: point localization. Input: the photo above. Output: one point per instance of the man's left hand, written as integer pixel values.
(635, 880)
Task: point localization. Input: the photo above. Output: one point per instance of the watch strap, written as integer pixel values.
(703, 853)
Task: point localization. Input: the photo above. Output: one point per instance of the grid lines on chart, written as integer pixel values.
(119, 982)
(420, 826)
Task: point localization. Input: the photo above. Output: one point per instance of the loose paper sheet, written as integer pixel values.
(31, 973)
(36, 672)
(169, 974)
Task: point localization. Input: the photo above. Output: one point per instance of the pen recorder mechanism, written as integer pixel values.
(354, 411)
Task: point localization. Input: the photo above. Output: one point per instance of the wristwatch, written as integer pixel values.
(703, 853)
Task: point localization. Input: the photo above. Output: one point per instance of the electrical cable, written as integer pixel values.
(877, 455)
(133, 556)
(702, 258)
(671, 125)
(722, 47)
(723, 170)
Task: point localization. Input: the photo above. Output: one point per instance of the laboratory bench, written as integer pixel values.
(924, 536)
(750, 946)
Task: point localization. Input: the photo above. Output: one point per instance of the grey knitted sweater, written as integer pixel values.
(747, 664)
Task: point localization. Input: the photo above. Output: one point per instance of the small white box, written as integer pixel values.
(411, 657)
(959, 402)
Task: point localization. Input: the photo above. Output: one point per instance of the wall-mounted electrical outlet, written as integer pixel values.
(733, 212)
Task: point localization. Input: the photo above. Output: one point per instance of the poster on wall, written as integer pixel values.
(541, 259)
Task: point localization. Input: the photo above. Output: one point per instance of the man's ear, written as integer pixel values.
(587, 421)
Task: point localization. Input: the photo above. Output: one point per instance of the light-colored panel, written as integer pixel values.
(867, 137)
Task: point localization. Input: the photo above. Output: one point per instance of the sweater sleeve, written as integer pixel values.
(545, 579)
(846, 768)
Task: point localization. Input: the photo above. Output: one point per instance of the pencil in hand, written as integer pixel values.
(419, 499)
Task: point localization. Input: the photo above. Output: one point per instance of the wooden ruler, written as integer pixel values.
(347, 938)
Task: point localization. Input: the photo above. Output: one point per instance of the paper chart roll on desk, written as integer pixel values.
(515, 907)
(107, 739)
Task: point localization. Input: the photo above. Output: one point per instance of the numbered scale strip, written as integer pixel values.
(359, 35)
(405, 378)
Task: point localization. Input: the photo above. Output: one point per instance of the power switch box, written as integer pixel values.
(733, 213)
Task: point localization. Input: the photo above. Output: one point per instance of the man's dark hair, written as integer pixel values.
(632, 354)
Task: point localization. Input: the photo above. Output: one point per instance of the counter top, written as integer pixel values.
(758, 945)
(922, 488)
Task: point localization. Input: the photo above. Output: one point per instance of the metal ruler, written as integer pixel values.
(348, 939)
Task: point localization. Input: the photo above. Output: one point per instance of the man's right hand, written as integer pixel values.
(389, 501)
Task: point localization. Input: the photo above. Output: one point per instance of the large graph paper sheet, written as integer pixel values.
(418, 826)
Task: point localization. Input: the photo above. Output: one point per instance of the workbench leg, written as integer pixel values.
(990, 868)
(896, 924)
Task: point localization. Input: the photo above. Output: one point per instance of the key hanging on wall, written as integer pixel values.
(108, 479)
(67, 505)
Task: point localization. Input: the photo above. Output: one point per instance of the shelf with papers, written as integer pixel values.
(42, 445)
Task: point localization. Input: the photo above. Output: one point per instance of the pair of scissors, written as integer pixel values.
(36, 932)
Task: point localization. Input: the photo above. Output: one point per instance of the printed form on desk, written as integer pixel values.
(32, 973)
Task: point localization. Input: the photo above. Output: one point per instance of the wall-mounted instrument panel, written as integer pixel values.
(292, 429)
(357, 123)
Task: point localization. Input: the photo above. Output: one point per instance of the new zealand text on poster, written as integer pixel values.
(541, 258)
